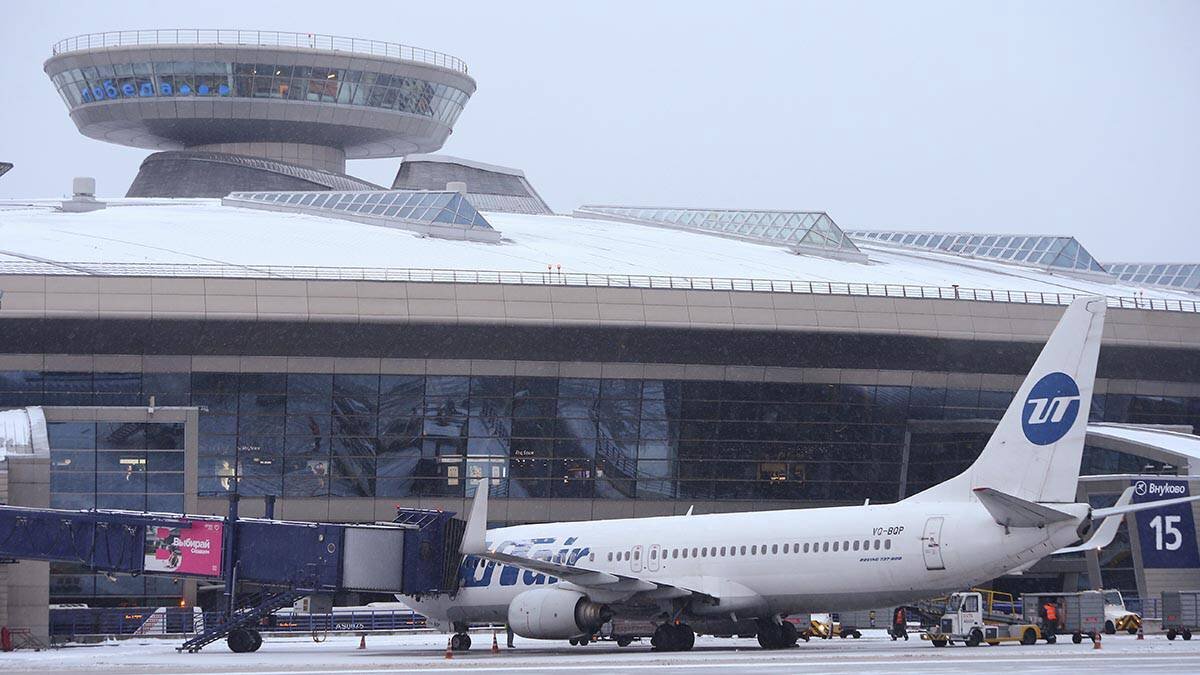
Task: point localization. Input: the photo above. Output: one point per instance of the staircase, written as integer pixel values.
(251, 610)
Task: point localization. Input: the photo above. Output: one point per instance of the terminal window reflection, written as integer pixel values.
(396, 436)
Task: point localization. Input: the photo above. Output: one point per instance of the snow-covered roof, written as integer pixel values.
(202, 231)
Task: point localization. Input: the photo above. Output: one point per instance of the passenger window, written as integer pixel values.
(704, 552)
(722, 551)
(806, 547)
(774, 549)
(693, 553)
(887, 544)
(684, 553)
(855, 544)
(754, 550)
(835, 547)
(866, 544)
(785, 548)
(637, 555)
(610, 556)
(674, 553)
(876, 544)
(845, 546)
(743, 550)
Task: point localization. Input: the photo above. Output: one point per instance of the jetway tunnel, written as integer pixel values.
(264, 564)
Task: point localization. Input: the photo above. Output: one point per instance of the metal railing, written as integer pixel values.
(172, 621)
(257, 38)
(555, 278)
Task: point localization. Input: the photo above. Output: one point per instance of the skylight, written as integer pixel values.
(1044, 252)
(803, 231)
(1183, 276)
(439, 214)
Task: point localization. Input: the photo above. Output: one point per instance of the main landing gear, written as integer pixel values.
(671, 637)
(773, 635)
(460, 641)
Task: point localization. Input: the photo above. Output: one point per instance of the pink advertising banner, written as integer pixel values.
(193, 549)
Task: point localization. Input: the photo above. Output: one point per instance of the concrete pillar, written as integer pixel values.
(29, 581)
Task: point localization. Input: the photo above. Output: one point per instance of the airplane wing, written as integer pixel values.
(1131, 508)
(1104, 535)
(1011, 511)
(474, 544)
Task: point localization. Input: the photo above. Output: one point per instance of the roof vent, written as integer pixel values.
(84, 199)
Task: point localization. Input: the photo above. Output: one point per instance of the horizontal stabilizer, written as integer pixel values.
(1011, 511)
(1107, 531)
(1144, 506)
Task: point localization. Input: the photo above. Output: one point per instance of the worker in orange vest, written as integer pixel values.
(1049, 619)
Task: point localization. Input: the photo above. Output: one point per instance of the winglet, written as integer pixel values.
(473, 542)
(1107, 531)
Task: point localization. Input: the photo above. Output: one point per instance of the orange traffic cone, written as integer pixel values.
(495, 645)
(449, 652)
(1096, 642)
(362, 641)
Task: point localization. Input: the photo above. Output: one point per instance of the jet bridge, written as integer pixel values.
(265, 564)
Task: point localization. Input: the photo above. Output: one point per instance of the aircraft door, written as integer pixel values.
(652, 562)
(635, 563)
(932, 544)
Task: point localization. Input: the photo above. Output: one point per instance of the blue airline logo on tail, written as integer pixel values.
(1050, 409)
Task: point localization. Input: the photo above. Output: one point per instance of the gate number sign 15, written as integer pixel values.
(1165, 528)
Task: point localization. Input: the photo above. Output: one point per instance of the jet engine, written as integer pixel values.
(555, 614)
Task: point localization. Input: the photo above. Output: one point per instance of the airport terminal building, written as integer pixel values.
(348, 348)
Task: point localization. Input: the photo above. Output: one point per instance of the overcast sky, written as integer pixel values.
(1079, 118)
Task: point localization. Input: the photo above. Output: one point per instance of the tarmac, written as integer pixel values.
(425, 653)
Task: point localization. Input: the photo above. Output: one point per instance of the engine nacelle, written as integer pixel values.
(555, 614)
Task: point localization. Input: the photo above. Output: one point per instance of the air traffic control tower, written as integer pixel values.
(256, 110)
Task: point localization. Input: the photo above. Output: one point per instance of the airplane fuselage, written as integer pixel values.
(765, 563)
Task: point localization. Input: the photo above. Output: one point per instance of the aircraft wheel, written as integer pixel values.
(770, 634)
(1109, 628)
(788, 634)
(1187, 634)
(1029, 636)
(573, 642)
(1076, 638)
(624, 641)
(1171, 634)
(460, 642)
(686, 637)
(583, 641)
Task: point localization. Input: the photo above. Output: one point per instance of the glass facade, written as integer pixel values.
(437, 208)
(80, 86)
(1063, 253)
(798, 228)
(113, 465)
(391, 436)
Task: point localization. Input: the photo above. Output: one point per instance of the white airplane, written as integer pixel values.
(742, 573)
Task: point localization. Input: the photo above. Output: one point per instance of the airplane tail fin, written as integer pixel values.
(1035, 451)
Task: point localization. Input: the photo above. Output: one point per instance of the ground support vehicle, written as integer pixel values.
(1117, 617)
(850, 624)
(1180, 613)
(1080, 614)
(965, 620)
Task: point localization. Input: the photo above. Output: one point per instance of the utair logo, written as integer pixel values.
(1050, 409)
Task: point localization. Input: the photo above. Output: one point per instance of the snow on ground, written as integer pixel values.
(423, 653)
(204, 231)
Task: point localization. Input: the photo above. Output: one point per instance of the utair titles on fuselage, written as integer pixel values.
(742, 573)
